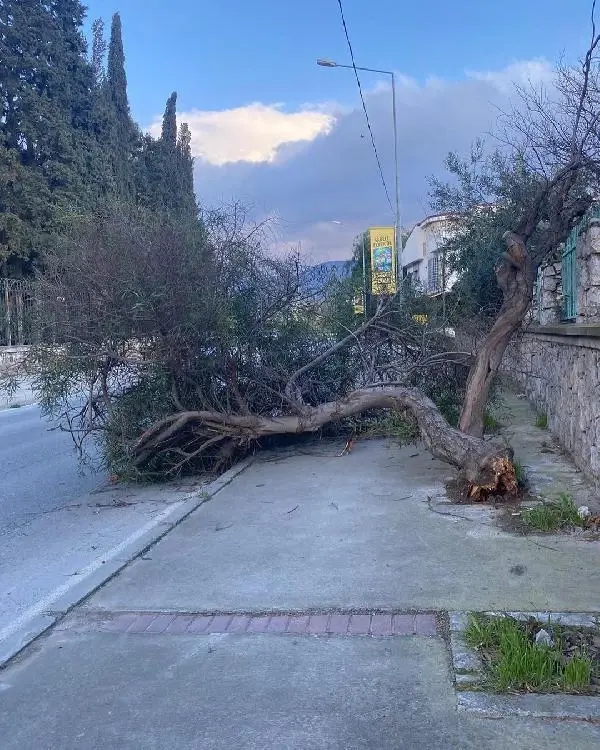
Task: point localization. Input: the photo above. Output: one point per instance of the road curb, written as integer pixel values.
(101, 572)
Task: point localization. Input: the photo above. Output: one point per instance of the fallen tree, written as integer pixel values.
(186, 343)
(486, 470)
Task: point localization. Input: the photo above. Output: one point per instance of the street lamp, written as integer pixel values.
(324, 63)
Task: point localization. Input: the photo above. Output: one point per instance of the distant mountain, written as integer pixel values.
(315, 278)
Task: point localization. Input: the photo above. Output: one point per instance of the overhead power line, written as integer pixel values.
(364, 105)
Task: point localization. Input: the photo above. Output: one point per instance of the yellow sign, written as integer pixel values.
(383, 260)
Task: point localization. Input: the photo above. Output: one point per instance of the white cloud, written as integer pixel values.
(311, 183)
(254, 133)
(523, 72)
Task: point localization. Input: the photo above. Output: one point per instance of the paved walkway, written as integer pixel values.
(302, 607)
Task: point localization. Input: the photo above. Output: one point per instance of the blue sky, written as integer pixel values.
(273, 129)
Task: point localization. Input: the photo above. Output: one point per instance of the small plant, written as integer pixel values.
(515, 661)
(542, 421)
(551, 516)
(490, 423)
(520, 474)
(577, 674)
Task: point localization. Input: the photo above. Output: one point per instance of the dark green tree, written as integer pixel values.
(124, 135)
(99, 48)
(169, 124)
(49, 159)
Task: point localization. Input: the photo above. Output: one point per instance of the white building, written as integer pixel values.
(423, 261)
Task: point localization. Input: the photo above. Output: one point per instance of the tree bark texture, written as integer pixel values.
(515, 277)
(484, 469)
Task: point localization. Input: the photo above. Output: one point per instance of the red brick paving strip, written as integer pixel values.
(257, 624)
(376, 625)
(199, 624)
(360, 624)
(403, 624)
(298, 624)
(278, 624)
(338, 624)
(141, 622)
(238, 624)
(179, 624)
(425, 625)
(160, 624)
(219, 624)
(381, 625)
(318, 624)
(119, 623)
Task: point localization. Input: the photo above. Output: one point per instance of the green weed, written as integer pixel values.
(551, 516)
(515, 662)
(520, 473)
(490, 423)
(542, 421)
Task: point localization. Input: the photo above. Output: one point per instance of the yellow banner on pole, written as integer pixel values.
(383, 260)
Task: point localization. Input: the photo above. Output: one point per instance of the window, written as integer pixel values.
(434, 274)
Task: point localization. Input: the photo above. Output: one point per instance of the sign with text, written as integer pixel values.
(383, 260)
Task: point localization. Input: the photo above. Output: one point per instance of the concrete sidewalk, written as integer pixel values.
(294, 610)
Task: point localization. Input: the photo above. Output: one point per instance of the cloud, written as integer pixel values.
(253, 134)
(523, 72)
(330, 174)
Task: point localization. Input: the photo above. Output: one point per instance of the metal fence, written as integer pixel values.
(569, 276)
(16, 305)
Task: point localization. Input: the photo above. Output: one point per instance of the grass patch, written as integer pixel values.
(520, 474)
(515, 662)
(542, 421)
(490, 423)
(553, 515)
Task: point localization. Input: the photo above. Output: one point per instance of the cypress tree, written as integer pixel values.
(124, 136)
(49, 159)
(116, 79)
(169, 124)
(99, 47)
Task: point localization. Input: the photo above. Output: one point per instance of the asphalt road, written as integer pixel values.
(56, 522)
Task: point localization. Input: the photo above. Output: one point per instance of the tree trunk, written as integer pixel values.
(515, 276)
(484, 469)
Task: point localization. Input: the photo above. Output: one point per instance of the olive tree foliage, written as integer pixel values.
(484, 192)
(548, 177)
(140, 316)
(181, 346)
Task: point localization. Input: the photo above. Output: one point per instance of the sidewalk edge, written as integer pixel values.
(116, 559)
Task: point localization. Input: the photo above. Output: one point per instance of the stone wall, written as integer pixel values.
(559, 368)
(558, 364)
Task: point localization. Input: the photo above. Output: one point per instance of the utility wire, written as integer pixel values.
(364, 106)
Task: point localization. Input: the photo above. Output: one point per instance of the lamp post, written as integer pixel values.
(331, 64)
